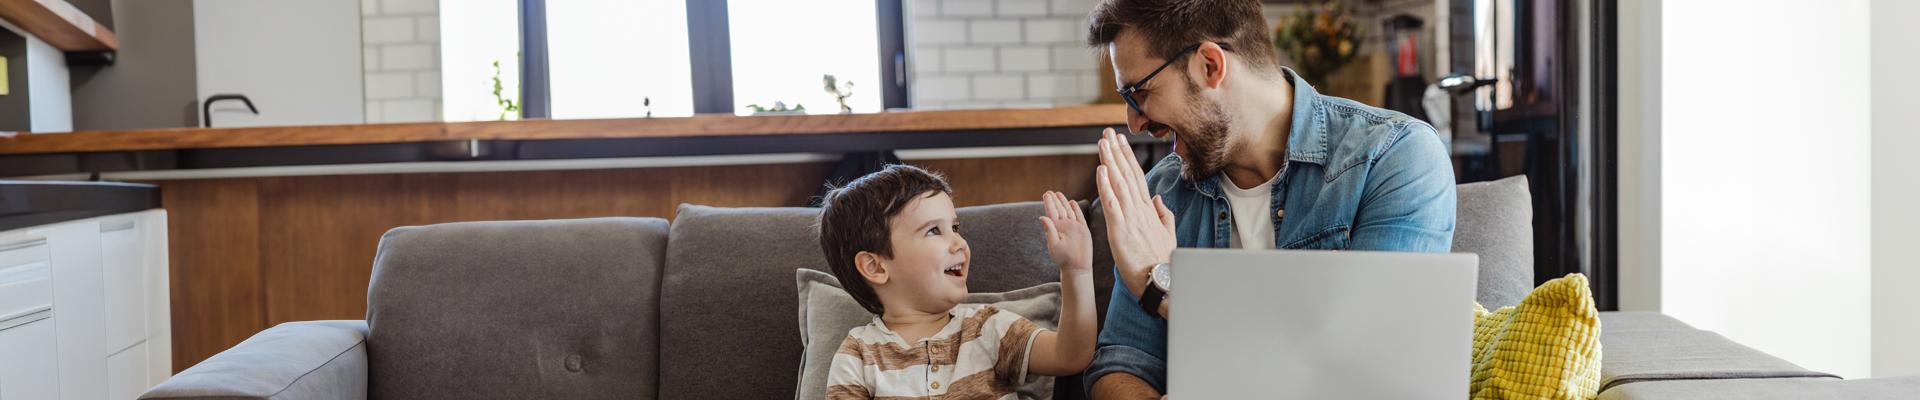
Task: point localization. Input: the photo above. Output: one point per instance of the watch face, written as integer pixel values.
(1162, 277)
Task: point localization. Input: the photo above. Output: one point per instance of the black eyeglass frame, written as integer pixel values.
(1126, 93)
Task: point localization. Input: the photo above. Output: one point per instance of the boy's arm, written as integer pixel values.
(845, 379)
(1069, 350)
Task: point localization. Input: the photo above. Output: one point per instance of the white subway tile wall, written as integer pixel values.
(401, 42)
(1000, 54)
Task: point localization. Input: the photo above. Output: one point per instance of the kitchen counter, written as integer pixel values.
(30, 203)
(703, 135)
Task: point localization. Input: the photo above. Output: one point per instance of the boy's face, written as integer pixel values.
(928, 270)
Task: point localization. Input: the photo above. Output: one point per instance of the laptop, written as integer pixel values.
(1278, 324)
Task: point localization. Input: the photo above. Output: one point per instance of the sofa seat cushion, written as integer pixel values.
(1649, 346)
(1770, 389)
(518, 309)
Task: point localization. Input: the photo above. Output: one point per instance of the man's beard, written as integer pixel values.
(1205, 140)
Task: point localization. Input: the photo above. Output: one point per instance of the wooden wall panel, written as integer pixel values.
(213, 234)
(979, 181)
(777, 185)
(318, 235)
(253, 252)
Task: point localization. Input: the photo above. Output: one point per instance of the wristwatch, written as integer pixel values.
(1159, 283)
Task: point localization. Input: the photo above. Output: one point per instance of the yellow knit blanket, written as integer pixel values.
(1548, 347)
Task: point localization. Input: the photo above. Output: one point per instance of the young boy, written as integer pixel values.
(894, 242)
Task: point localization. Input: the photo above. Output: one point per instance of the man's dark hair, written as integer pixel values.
(1167, 26)
(853, 218)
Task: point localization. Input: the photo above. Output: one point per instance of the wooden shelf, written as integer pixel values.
(697, 126)
(60, 24)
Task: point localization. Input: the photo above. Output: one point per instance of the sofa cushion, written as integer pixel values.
(1649, 346)
(728, 293)
(827, 313)
(1548, 347)
(1495, 220)
(520, 309)
(1770, 389)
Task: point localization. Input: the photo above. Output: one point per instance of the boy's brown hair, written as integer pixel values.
(854, 218)
(1171, 25)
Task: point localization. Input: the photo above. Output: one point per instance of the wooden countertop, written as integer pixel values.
(696, 126)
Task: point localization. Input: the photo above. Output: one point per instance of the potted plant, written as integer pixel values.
(1319, 38)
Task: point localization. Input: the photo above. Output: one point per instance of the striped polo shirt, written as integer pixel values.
(980, 354)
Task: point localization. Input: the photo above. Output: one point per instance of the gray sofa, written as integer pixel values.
(703, 308)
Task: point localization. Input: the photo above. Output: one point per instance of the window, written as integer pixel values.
(634, 58)
(782, 49)
(476, 34)
(608, 58)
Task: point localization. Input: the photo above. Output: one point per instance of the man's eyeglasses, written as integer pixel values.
(1128, 91)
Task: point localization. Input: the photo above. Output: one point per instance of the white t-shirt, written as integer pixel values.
(1252, 223)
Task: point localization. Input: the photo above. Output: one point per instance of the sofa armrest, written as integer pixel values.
(295, 360)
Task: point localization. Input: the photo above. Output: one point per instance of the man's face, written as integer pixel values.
(930, 260)
(1174, 105)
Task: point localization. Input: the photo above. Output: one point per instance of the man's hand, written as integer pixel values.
(1140, 229)
(1068, 239)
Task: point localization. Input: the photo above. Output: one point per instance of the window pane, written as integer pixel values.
(606, 56)
(475, 34)
(781, 48)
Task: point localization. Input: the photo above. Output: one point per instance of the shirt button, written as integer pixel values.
(1280, 213)
(936, 368)
(1223, 215)
(936, 385)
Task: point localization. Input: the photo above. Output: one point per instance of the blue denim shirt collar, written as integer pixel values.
(1306, 138)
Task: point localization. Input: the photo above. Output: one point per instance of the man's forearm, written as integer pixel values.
(1123, 386)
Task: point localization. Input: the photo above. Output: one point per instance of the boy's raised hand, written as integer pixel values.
(1068, 239)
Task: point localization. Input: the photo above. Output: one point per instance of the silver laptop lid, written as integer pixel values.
(1320, 324)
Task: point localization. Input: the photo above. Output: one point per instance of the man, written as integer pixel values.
(1260, 161)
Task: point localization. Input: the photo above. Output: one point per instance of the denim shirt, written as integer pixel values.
(1358, 178)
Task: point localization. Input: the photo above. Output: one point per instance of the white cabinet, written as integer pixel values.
(127, 372)
(26, 286)
(84, 308)
(123, 275)
(80, 300)
(27, 357)
(28, 352)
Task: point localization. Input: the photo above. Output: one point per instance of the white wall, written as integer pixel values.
(1764, 176)
(1896, 188)
(1000, 53)
(51, 102)
(400, 41)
